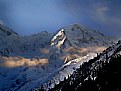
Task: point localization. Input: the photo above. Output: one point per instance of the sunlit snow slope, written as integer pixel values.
(27, 62)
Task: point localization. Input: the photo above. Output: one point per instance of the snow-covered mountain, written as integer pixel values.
(103, 71)
(68, 38)
(74, 41)
(12, 44)
(27, 62)
(79, 36)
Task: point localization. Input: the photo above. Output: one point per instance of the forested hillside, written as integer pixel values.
(99, 74)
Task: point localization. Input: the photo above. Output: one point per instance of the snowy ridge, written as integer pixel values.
(75, 35)
(72, 36)
(66, 70)
(27, 62)
(104, 58)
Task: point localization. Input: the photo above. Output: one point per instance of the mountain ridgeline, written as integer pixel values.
(98, 74)
(71, 37)
(28, 62)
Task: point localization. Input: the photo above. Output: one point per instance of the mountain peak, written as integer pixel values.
(5, 31)
(78, 36)
(34, 61)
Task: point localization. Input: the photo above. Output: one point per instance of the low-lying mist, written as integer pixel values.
(20, 61)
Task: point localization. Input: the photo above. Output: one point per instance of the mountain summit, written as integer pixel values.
(68, 38)
(29, 61)
(79, 36)
(76, 40)
(5, 31)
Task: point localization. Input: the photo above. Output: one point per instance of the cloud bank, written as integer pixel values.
(19, 61)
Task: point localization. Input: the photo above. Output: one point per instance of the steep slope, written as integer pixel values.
(27, 62)
(12, 44)
(79, 36)
(5, 31)
(75, 40)
(99, 71)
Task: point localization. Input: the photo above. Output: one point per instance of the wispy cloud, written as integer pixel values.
(19, 61)
(27, 17)
(107, 17)
(101, 13)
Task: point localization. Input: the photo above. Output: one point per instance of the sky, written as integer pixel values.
(33, 16)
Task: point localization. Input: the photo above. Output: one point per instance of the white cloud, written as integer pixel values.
(101, 13)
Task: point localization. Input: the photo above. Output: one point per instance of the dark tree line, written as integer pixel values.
(95, 75)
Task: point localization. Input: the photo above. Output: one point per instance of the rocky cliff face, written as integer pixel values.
(68, 38)
(97, 74)
(12, 44)
(75, 40)
(27, 62)
(79, 36)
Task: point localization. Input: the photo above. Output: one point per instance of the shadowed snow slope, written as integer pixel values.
(97, 74)
(27, 62)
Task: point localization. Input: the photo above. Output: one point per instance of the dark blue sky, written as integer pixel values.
(33, 16)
